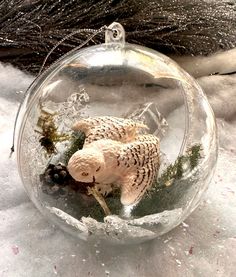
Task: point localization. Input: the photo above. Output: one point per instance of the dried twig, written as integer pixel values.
(93, 191)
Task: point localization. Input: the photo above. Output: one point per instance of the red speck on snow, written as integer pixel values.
(15, 249)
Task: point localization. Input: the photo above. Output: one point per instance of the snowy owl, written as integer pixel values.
(114, 153)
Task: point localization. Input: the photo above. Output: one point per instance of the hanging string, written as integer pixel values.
(94, 33)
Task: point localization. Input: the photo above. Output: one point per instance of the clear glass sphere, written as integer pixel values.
(126, 81)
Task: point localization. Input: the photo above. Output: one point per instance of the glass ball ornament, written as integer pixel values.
(116, 79)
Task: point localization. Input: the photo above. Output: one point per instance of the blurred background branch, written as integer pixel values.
(30, 28)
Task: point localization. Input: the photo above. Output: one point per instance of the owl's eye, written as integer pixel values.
(98, 168)
(84, 174)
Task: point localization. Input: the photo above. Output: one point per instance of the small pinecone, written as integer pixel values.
(56, 174)
(56, 180)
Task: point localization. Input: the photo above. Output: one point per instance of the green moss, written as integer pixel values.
(76, 143)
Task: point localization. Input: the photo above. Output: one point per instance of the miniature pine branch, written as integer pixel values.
(76, 143)
(194, 155)
(175, 171)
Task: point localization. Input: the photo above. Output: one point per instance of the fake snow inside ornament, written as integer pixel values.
(116, 142)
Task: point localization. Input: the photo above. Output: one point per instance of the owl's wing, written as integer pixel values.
(134, 185)
(144, 150)
(108, 127)
(142, 157)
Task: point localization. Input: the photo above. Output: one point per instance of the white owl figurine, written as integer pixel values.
(115, 153)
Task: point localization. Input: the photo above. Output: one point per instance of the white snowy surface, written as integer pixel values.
(204, 245)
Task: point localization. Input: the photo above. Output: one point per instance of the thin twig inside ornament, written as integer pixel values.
(93, 191)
